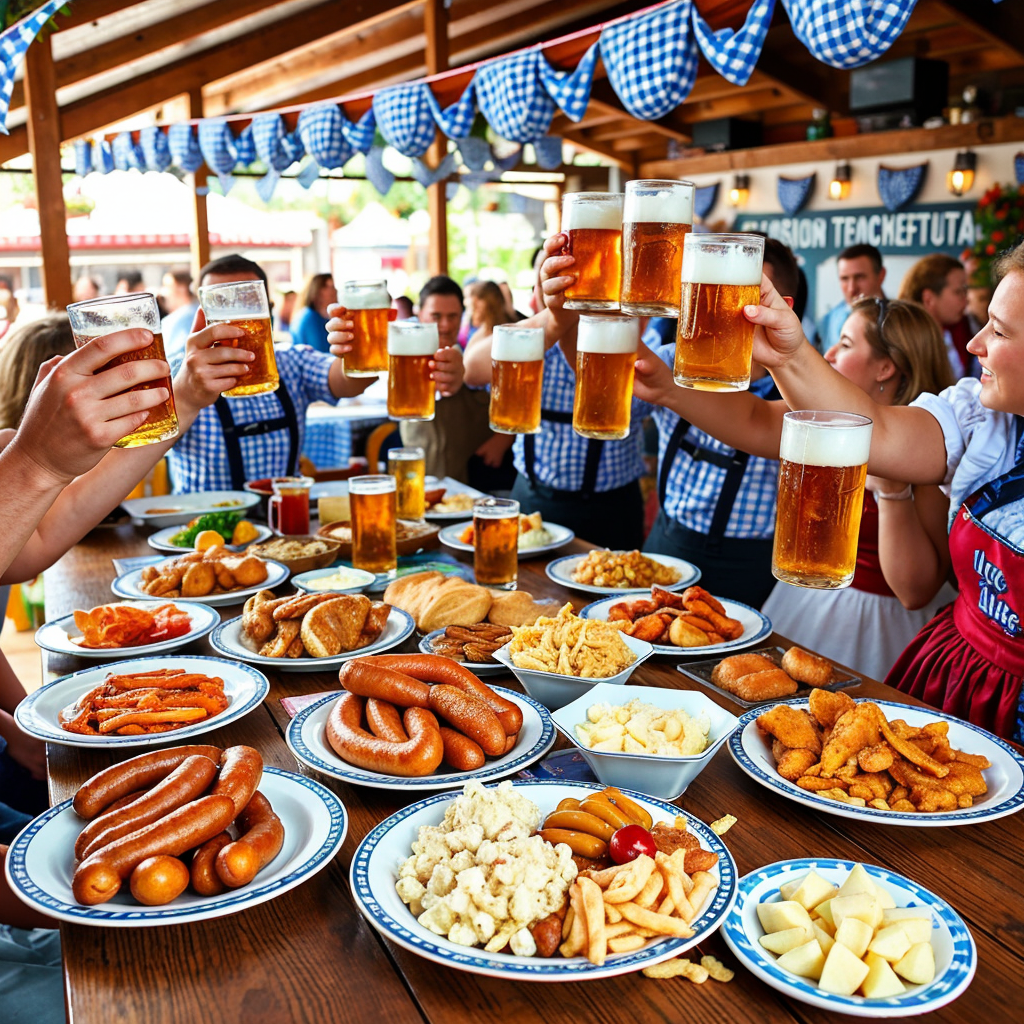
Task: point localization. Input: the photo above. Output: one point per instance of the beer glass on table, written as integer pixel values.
(373, 524)
(656, 219)
(243, 304)
(517, 375)
(721, 274)
(288, 508)
(822, 467)
(409, 466)
(593, 223)
(411, 346)
(496, 542)
(368, 305)
(605, 355)
(97, 318)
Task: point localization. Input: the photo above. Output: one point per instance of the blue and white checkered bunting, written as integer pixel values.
(507, 162)
(734, 54)
(128, 154)
(320, 129)
(427, 177)
(848, 33)
(571, 89)
(512, 96)
(217, 144)
(308, 173)
(292, 147)
(404, 118)
(103, 157)
(83, 157)
(14, 42)
(651, 60)
(376, 173)
(268, 134)
(548, 151)
(265, 186)
(360, 134)
(155, 148)
(184, 146)
(475, 152)
(456, 120)
(244, 146)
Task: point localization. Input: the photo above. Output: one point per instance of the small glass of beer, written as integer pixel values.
(97, 318)
(655, 221)
(721, 275)
(288, 508)
(517, 374)
(409, 466)
(593, 222)
(496, 542)
(605, 354)
(822, 467)
(373, 524)
(368, 305)
(411, 346)
(243, 304)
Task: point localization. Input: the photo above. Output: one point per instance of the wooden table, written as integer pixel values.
(310, 956)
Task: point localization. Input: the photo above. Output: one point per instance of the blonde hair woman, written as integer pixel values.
(23, 351)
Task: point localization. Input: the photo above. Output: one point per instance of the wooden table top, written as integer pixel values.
(309, 955)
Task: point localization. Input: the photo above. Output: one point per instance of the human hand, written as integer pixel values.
(341, 329)
(778, 334)
(28, 751)
(554, 276)
(447, 370)
(652, 378)
(212, 366)
(492, 451)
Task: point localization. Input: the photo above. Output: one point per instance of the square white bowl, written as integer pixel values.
(653, 774)
(554, 690)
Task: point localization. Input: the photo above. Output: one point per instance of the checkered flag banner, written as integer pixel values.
(512, 97)
(127, 154)
(14, 42)
(244, 146)
(404, 118)
(320, 129)
(455, 120)
(184, 147)
(475, 152)
(217, 145)
(651, 60)
(360, 134)
(734, 54)
(155, 148)
(83, 157)
(269, 135)
(427, 176)
(376, 173)
(570, 89)
(103, 157)
(848, 33)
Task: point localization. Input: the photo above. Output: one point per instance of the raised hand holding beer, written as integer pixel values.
(211, 366)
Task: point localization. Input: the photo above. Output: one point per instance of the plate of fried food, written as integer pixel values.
(256, 832)
(127, 627)
(879, 761)
(621, 572)
(310, 632)
(142, 701)
(557, 918)
(178, 509)
(472, 646)
(215, 576)
(449, 499)
(694, 622)
(536, 537)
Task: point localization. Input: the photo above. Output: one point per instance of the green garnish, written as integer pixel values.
(223, 522)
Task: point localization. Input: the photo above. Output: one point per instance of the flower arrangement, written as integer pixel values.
(999, 220)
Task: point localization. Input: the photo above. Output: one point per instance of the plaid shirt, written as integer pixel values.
(561, 452)
(199, 459)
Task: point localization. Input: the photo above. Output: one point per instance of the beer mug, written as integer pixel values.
(243, 304)
(409, 466)
(822, 467)
(721, 275)
(593, 223)
(517, 375)
(288, 508)
(411, 346)
(372, 499)
(605, 356)
(496, 542)
(97, 318)
(368, 305)
(655, 221)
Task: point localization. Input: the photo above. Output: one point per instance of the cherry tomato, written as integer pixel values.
(629, 842)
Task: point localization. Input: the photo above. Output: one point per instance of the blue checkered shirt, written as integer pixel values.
(199, 459)
(561, 452)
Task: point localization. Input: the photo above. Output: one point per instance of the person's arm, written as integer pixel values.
(13, 911)
(29, 752)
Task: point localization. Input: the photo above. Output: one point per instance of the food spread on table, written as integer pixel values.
(693, 618)
(532, 532)
(201, 573)
(570, 646)
(230, 527)
(443, 503)
(124, 625)
(626, 569)
(640, 728)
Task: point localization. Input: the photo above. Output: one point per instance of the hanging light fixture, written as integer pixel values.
(961, 178)
(839, 186)
(740, 191)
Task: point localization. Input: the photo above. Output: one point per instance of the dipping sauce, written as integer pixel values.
(343, 579)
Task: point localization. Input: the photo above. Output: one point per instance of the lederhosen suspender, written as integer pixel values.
(233, 434)
(590, 463)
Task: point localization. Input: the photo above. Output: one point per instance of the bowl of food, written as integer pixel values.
(300, 552)
(410, 536)
(338, 580)
(655, 739)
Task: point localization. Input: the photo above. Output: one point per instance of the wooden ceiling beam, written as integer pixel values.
(84, 12)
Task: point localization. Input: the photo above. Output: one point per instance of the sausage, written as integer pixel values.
(99, 877)
(241, 769)
(384, 721)
(510, 741)
(158, 880)
(365, 678)
(600, 806)
(547, 934)
(579, 842)
(469, 715)
(140, 772)
(460, 751)
(627, 806)
(419, 755)
(187, 782)
(205, 879)
(580, 821)
(260, 842)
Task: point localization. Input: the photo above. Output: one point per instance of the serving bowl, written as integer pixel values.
(419, 536)
(356, 580)
(300, 563)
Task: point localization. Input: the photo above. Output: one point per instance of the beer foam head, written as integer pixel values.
(723, 259)
(364, 295)
(658, 202)
(825, 439)
(412, 338)
(511, 344)
(596, 211)
(608, 335)
(234, 300)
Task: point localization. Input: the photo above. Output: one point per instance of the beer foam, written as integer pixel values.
(733, 266)
(360, 295)
(813, 443)
(608, 335)
(411, 338)
(517, 344)
(592, 214)
(666, 207)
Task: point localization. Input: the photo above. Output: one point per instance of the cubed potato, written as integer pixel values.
(855, 935)
(813, 890)
(891, 942)
(881, 981)
(918, 966)
(824, 911)
(787, 939)
(807, 960)
(823, 935)
(787, 889)
(885, 899)
(777, 917)
(915, 921)
(843, 972)
(863, 906)
(858, 880)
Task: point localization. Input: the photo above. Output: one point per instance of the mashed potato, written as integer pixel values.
(639, 728)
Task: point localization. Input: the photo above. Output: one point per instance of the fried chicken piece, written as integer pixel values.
(828, 707)
(876, 758)
(619, 612)
(225, 577)
(199, 579)
(856, 729)
(793, 764)
(962, 779)
(296, 649)
(250, 571)
(805, 667)
(649, 628)
(871, 786)
(978, 760)
(258, 616)
(691, 594)
(277, 646)
(666, 598)
(792, 727)
(907, 749)
(377, 620)
(638, 609)
(814, 784)
(297, 605)
(335, 625)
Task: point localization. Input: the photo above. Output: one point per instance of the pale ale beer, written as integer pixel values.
(655, 221)
(721, 275)
(411, 346)
(408, 466)
(372, 500)
(100, 317)
(517, 374)
(822, 466)
(243, 304)
(593, 223)
(605, 354)
(368, 305)
(496, 542)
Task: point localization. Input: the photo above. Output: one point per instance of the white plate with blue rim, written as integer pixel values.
(1005, 779)
(756, 626)
(56, 635)
(161, 540)
(307, 739)
(128, 586)
(476, 667)
(374, 873)
(561, 569)
(41, 861)
(227, 640)
(560, 536)
(956, 957)
(244, 687)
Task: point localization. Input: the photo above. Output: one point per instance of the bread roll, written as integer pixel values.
(807, 668)
(730, 669)
(518, 608)
(769, 684)
(454, 602)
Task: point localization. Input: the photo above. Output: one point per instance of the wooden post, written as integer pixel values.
(200, 241)
(435, 24)
(44, 137)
